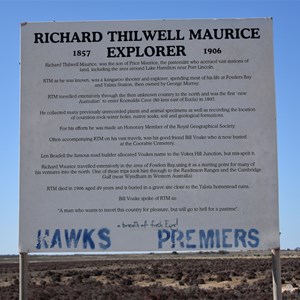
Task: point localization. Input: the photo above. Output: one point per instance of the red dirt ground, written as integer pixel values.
(155, 276)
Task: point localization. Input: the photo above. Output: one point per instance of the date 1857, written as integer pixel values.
(82, 53)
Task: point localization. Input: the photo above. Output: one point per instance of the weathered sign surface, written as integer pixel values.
(148, 136)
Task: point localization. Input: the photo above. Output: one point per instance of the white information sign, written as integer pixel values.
(148, 136)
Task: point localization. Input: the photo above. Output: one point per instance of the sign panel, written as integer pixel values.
(148, 136)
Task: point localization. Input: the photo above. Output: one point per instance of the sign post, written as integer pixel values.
(23, 282)
(276, 274)
(148, 136)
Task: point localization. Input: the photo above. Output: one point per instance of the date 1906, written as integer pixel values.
(212, 51)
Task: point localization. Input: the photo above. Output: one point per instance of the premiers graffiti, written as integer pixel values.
(148, 36)
(190, 239)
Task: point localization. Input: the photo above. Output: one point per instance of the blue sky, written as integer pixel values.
(287, 67)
